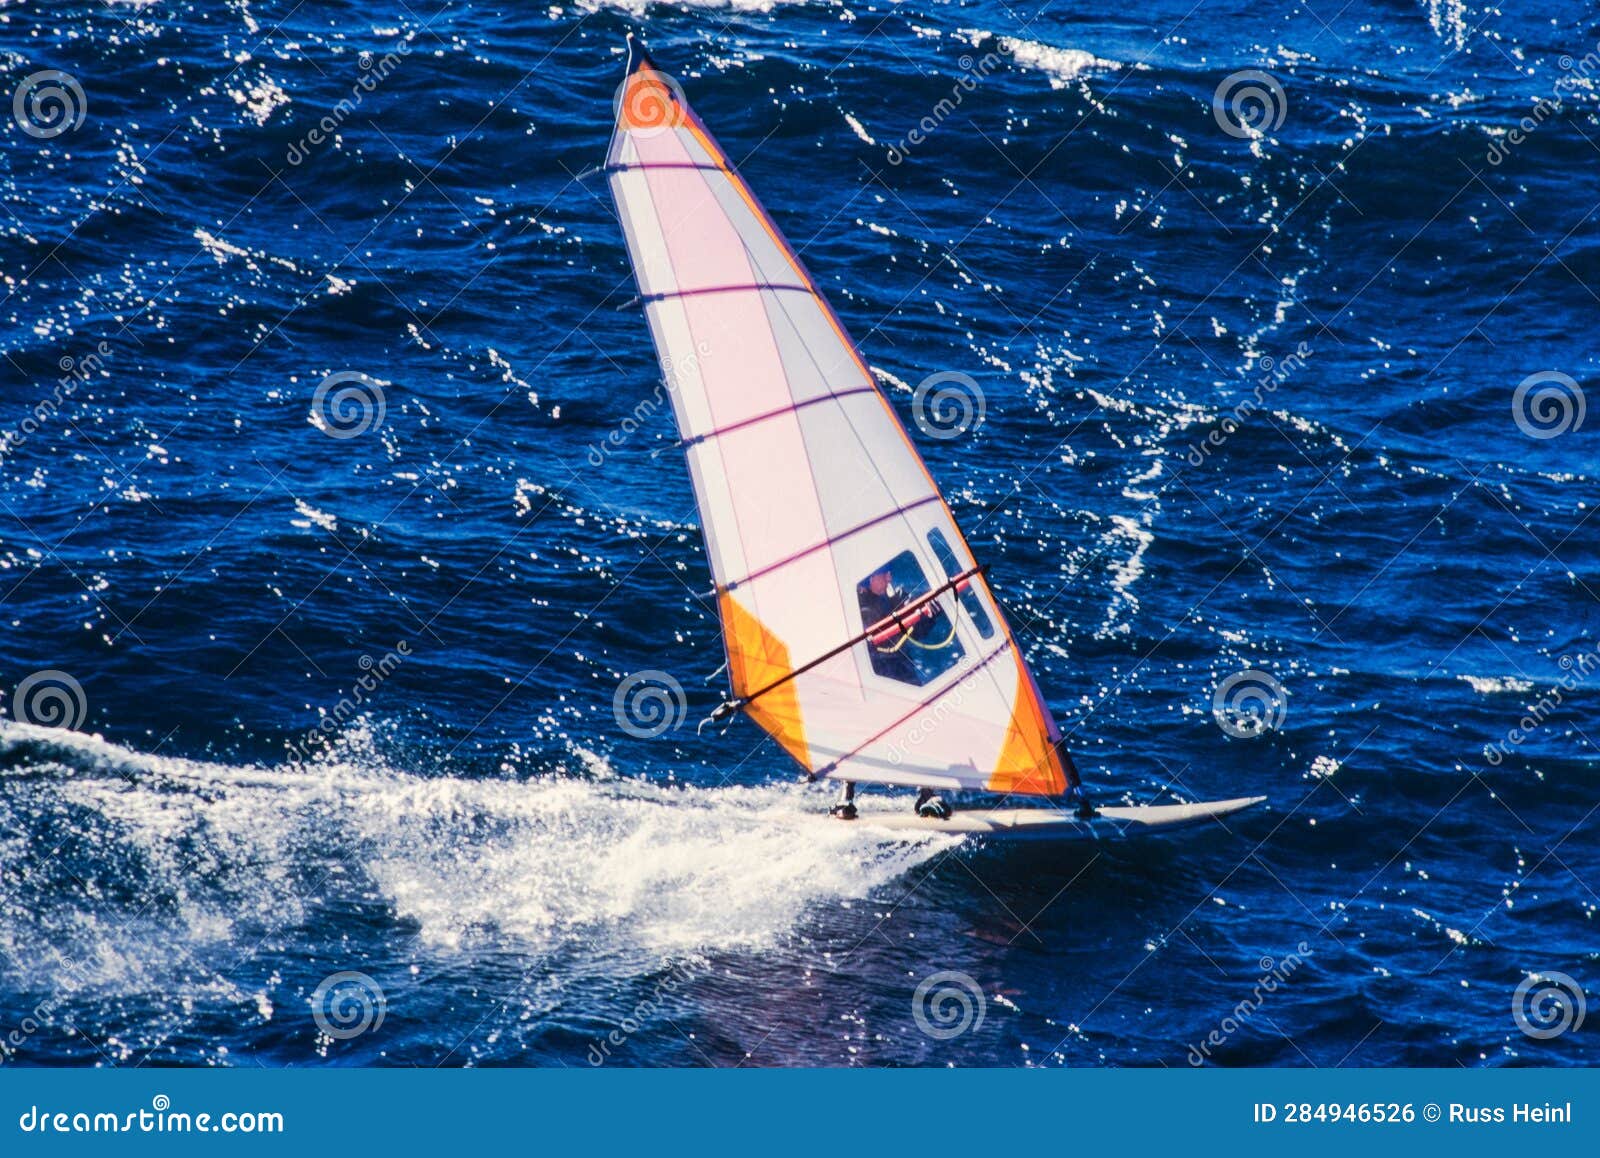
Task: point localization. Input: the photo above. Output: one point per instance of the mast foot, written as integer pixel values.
(1086, 809)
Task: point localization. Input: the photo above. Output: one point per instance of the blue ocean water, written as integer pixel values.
(1251, 295)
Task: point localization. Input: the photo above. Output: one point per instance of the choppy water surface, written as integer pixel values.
(1249, 349)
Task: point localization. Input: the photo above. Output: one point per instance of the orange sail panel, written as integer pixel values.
(821, 522)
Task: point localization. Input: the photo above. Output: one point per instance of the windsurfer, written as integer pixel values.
(880, 598)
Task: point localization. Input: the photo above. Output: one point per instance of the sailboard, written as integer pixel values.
(1109, 822)
(860, 631)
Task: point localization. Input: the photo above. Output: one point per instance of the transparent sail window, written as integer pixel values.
(969, 598)
(923, 645)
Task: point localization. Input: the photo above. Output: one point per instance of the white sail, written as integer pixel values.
(858, 630)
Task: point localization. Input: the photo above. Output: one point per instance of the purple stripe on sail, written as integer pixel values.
(942, 692)
(830, 541)
(725, 289)
(625, 166)
(779, 413)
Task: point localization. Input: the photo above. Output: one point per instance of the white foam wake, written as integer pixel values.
(137, 858)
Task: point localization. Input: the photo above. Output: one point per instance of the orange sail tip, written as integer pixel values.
(757, 658)
(648, 100)
(1029, 764)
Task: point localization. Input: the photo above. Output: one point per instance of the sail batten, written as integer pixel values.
(735, 427)
(752, 287)
(826, 543)
(624, 167)
(821, 522)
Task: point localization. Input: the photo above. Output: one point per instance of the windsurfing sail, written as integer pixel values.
(859, 630)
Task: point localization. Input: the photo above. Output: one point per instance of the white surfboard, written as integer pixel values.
(1115, 822)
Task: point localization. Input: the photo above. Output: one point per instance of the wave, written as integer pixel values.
(132, 866)
(1061, 65)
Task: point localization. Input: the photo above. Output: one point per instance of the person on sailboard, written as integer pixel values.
(880, 599)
